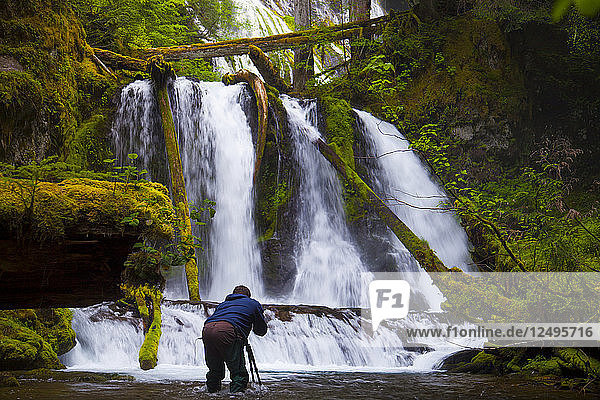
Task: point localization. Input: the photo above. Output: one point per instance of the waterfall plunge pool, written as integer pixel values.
(298, 385)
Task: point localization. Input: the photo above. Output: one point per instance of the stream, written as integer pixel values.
(299, 385)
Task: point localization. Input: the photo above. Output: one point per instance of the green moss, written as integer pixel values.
(88, 146)
(274, 203)
(59, 87)
(83, 205)
(482, 363)
(579, 360)
(23, 348)
(339, 127)
(544, 366)
(148, 355)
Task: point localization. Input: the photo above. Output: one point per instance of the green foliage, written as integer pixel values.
(35, 207)
(429, 80)
(197, 68)
(589, 8)
(52, 88)
(133, 24)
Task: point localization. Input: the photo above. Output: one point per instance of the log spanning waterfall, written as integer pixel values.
(215, 139)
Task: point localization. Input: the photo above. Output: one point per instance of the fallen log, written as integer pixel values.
(419, 249)
(269, 72)
(262, 104)
(119, 61)
(148, 355)
(161, 72)
(269, 43)
(236, 47)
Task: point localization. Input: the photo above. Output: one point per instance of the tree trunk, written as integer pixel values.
(148, 355)
(262, 104)
(269, 72)
(419, 249)
(304, 63)
(360, 10)
(161, 72)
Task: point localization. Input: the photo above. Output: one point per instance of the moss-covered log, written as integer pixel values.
(262, 102)
(148, 355)
(161, 72)
(417, 247)
(269, 72)
(238, 47)
(119, 61)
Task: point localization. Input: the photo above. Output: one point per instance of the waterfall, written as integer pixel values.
(400, 178)
(109, 340)
(217, 154)
(136, 129)
(329, 267)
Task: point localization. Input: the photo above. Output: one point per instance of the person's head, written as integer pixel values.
(241, 289)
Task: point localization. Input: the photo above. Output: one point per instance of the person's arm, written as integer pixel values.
(259, 326)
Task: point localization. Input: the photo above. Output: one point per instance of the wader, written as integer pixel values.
(224, 345)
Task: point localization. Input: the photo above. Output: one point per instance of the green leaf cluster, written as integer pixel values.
(133, 24)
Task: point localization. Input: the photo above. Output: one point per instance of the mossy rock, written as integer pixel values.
(544, 366)
(276, 203)
(339, 127)
(22, 348)
(83, 205)
(34, 338)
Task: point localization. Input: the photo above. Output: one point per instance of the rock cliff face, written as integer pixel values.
(64, 244)
(53, 100)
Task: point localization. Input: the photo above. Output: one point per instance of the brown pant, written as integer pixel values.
(222, 345)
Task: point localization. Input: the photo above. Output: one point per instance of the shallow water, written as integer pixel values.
(320, 385)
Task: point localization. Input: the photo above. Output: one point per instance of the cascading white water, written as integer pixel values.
(109, 341)
(217, 155)
(412, 194)
(136, 127)
(329, 269)
(218, 161)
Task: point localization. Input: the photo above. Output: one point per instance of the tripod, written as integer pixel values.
(252, 361)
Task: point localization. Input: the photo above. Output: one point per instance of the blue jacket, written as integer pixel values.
(242, 312)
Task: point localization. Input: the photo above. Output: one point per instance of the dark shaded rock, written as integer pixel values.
(457, 359)
(277, 202)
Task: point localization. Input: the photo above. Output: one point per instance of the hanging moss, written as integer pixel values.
(148, 355)
(339, 128)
